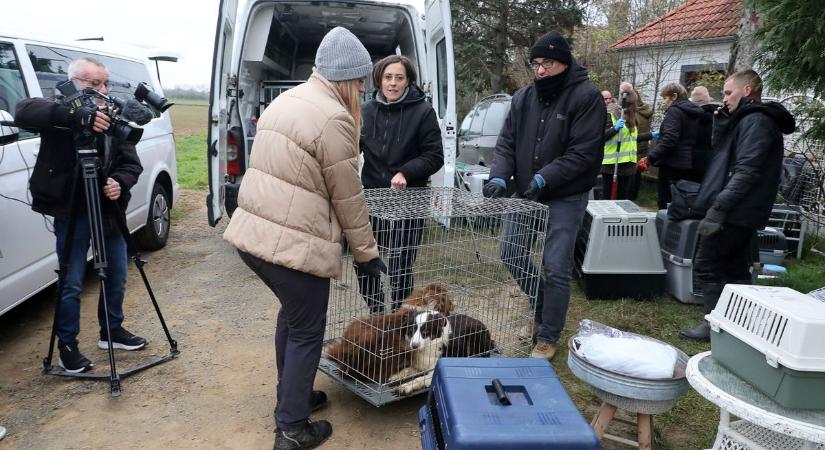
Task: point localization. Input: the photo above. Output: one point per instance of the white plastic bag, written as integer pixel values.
(632, 356)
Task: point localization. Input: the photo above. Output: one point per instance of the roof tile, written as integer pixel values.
(694, 19)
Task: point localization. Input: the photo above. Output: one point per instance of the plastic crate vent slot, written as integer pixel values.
(625, 231)
(756, 319)
(524, 372)
(548, 418)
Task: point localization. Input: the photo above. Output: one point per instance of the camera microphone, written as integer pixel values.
(134, 111)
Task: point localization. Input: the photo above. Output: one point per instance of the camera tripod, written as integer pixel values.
(88, 167)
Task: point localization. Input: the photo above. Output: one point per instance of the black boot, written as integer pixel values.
(700, 332)
(317, 401)
(312, 435)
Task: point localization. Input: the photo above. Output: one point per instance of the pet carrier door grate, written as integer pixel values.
(455, 288)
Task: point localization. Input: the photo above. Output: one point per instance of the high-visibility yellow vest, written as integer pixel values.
(628, 151)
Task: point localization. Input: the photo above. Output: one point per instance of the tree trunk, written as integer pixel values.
(499, 53)
(741, 56)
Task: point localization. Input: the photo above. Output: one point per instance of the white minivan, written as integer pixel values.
(265, 47)
(31, 68)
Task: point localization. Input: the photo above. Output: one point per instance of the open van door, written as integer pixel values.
(219, 109)
(441, 73)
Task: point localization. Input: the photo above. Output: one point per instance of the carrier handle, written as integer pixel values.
(501, 395)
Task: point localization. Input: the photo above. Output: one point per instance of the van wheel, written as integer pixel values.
(154, 234)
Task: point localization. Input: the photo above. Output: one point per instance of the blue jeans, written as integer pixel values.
(68, 320)
(551, 297)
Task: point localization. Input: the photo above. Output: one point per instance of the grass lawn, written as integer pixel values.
(690, 424)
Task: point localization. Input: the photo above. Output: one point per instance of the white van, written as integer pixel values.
(268, 46)
(31, 68)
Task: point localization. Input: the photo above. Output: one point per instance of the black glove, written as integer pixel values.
(712, 223)
(534, 189)
(373, 267)
(493, 189)
(83, 117)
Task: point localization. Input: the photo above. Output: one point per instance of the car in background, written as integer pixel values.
(479, 130)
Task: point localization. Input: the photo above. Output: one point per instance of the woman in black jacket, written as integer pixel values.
(676, 139)
(401, 142)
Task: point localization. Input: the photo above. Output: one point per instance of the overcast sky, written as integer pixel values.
(183, 26)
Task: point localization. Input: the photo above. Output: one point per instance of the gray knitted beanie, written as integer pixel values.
(341, 56)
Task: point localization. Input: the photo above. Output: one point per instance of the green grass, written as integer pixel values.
(190, 152)
(803, 275)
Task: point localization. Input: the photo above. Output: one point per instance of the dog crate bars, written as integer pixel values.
(436, 236)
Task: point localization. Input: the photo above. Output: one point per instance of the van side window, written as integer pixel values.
(441, 68)
(480, 112)
(12, 87)
(51, 65)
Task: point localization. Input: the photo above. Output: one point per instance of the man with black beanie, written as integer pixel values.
(551, 146)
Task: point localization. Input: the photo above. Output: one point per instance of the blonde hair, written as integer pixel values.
(348, 90)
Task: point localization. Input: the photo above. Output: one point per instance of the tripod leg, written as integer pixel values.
(90, 166)
(173, 344)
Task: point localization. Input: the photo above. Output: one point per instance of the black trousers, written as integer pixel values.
(400, 240)
(722, 258)
(623, 189)
(299, 335)
(666, 177)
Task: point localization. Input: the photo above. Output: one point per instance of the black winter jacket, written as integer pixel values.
(562, 138)
(55, 169)
(400, 137)
(702, 150)
(677, 136)
(743, 175)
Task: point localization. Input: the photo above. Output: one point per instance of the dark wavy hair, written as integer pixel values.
(381, 66)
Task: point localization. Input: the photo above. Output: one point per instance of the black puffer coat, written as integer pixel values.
(677, 136)
(562, 138)
(55, 169)
(743, 175)
(400, 137)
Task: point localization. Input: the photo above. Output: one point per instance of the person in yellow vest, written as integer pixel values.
(620, 148)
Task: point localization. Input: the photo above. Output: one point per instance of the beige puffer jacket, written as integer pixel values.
(302, 187)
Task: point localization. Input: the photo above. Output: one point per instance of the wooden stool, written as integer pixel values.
(644, 424)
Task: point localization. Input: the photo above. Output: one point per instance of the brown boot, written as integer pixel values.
(544, 350)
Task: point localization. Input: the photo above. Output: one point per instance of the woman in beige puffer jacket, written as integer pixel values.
(299, 194)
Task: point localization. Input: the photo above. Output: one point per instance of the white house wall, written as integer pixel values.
(639, 66)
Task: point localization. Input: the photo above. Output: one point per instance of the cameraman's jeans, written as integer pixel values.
(68, 320)
(518, 236)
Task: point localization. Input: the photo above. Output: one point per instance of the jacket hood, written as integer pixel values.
(414, 94)
(575, 74)
(783, 119)
(688, 107)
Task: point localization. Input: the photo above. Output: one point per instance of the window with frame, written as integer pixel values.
(441, 69)
(494, 119)
(51, 65)
(12, 86)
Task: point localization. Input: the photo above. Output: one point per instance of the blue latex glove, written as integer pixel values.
(655, 134)
(618, 125)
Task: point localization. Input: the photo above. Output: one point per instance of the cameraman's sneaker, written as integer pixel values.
(312, 435)
(71, 360)
(121, 339)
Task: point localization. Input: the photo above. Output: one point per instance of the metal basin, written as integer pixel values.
(631, 393)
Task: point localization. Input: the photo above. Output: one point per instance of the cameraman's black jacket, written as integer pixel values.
(400, 137)
(52, 178)
(743, 176)
(561, 138)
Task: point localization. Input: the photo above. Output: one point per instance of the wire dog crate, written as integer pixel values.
(462, 271)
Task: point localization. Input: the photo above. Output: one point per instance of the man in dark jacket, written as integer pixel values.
(551, 144)
(739, 188)
(702, 150)
(54, 187)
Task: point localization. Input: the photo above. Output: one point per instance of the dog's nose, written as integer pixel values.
(413, 345)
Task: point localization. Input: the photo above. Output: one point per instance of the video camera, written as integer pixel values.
(141, 110)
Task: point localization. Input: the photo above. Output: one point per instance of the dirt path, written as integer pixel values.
(218, 394)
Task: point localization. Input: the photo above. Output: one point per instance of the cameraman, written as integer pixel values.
(56, 185)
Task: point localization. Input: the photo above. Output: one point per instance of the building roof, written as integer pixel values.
(692, 20)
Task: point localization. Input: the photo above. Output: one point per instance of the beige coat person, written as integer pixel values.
(302, 189)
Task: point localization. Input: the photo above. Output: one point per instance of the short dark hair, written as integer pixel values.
(750, 78)
(381, 66)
